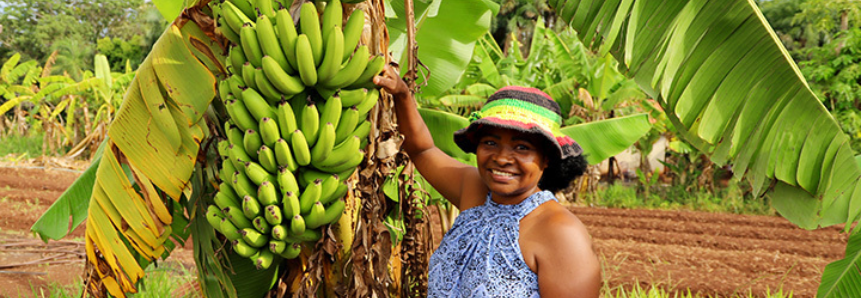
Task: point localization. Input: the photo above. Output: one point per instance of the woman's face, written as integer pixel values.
(510, 163)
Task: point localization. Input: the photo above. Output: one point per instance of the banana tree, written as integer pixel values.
(155, 173)
(730, 89)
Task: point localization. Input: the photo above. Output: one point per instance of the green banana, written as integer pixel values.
(341, 191)
(287, 36)
(300, 148)
(353, 161)
(368, 103)
(269, 91)
(305, 61)
(237, 217)
(229, 230)
(237, 58)
(264, 258)
(280, 79)
(332, 59)
(250, 44)
(332, 16)
(261, 225)
(352, 97)
(266, 194)
(328, 187)
(290, 202)
(325, 143)
(310, 235)
(277, 246)
(314, 219)
(251, 142)
(297, 225)
(286, 119)
(269, 131)
(257, 173)
(248, 75)
(257, 105)
(309, 123)
(253, 237)
(222, 148)
(223, 200)
(250, 207)
(273, 214)
(236, 83)
(334, 211)
(266, 157)
(351, 72)
(347, 124)
(362, 130)
(265, 9)
(279, 232)
(283, 155)
(225, 30)
(375, 66)
(228, 191)
(309, 24)
(309, 196)
(223, 92)
(226, 172)
(331, 111)
(353, 32)
(214, 217)
(292, 251)
(244, 186)
(238, 156)
(287, 181)
(234, 17)
(340, 154)
(243, 249)
(235, 136)
(240, 115)
(246, 8)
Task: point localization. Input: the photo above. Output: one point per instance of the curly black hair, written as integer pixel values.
(559, 174)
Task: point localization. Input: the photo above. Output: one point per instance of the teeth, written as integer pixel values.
(495, 172)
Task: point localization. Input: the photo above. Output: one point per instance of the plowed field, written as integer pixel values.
(715, 254)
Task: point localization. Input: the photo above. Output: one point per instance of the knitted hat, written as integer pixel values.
(527, 110)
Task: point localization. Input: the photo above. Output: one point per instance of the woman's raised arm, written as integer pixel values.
(447, 175)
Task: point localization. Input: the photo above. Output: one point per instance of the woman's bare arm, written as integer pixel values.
(567, 264)
(445, 174)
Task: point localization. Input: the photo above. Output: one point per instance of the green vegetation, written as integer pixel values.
(731, 199)
(30, 146)
(168, 280)
(653, 292)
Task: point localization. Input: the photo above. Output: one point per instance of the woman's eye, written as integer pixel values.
(489, 143)
(522, 147)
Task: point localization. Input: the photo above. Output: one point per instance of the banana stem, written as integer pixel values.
(412, 48)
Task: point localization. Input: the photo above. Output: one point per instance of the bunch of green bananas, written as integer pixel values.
(298, 109)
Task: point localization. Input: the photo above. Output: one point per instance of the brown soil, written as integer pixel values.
(25, 193)
(716, 254)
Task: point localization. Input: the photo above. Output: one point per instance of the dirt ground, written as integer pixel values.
(715, 254)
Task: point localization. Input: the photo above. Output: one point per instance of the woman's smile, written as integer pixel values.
(511, 163)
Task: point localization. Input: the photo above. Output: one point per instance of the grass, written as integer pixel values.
(164, 281)
(655, 292)
(731, 199)
(29, 146)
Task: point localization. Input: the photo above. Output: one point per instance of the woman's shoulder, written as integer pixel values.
(555, 224)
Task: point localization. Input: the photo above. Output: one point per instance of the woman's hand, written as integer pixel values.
(390, 80)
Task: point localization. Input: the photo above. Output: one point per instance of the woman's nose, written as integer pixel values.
(504, 156)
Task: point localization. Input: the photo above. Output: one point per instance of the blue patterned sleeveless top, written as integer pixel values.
(480, 256)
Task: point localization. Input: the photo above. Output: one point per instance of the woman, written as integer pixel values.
(512, 239)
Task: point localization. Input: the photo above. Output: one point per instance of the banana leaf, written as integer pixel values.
(72, 204)
(605, 138)
(447, 36)
(442, 126)
(730, 88)
(8, 66)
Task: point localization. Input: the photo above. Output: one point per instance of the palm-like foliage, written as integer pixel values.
(731, 89)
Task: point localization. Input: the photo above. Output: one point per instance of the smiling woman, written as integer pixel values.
(513, 238)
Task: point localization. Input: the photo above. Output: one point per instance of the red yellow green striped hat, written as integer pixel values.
(528, 110)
